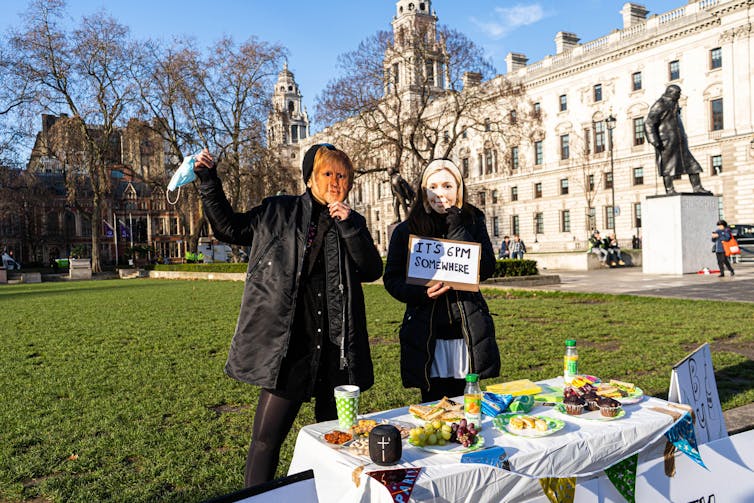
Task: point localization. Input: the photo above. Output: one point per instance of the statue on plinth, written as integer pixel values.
(403, 194)
(665, 133)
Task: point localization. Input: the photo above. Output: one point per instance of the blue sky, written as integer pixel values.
(317, 31)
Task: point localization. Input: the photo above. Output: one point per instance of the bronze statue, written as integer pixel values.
(403, 194)
(665, 132)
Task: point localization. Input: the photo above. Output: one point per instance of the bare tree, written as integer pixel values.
(588, 176)
(84, 72)
(412, 100)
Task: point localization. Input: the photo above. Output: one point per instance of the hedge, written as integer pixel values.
(515, 267)
(213, 267)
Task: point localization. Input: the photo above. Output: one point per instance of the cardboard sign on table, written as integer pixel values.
(693, 382)
(433, 260)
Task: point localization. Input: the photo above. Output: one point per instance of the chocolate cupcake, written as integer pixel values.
(609, 407)
(590, 397)
(574, 405)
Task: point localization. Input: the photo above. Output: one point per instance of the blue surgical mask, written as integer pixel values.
(184, 174)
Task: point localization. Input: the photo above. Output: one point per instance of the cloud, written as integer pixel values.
(506, 19)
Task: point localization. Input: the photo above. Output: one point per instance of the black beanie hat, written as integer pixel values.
(307, 166)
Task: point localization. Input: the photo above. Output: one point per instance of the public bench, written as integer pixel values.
(3, 276)
(578, 260)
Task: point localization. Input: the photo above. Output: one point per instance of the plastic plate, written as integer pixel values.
(502, 422)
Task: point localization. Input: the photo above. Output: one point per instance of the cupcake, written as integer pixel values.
(609, 407)
(590, 397)
(574, 405)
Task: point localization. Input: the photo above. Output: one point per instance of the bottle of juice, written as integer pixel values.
(472, 401)
(570, 361)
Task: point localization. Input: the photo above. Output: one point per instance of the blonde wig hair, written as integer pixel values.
(439, 165)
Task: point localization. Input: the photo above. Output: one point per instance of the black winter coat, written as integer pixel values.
(277, 230)
(417, 342)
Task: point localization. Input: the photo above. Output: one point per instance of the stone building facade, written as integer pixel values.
(568, 178)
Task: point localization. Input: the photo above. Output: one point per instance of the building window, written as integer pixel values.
(537, 109)
(591, 219)
(538, 152)
(430, 65)
(716, 108)
(494, 196)
(587, 142)
(715, 58)
(609, 218)
(608, 180)
(674, 70)
(495, 226)
(514, 193)
(720, 207)
(513, 116)
(636, 81)
(638, 176)
(488, 160)
(482, 198)
(599, 137)
(515, 227)
(487, 125)
(637, 215)
(376, 215)
(563, 103)
(514, 157)
(465, 134)
(564, 186)
(465, 165)
(539, 223)
(538, 190)
(564, 149)
(565, 221)
(639, 131)
(716, 165)
(598, 92)
(396, 74)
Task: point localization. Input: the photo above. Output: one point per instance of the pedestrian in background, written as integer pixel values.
(719, 236)
(505, 245)
(517, 247)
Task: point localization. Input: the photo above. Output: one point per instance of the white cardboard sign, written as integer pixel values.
(432, 260)
(729, 477)
(693, 382)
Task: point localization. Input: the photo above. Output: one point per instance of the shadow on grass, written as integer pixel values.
(735, 380)
(28, 291)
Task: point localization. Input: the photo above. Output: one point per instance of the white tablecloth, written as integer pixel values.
(581, 449)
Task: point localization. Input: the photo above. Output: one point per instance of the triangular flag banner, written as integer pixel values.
(559, 490)
(683, 437)
(494, 456)
(623, 477)
(399, 482)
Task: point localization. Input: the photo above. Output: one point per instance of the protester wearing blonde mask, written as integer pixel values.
(445, 333)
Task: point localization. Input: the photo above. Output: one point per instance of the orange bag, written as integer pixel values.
(731, 247)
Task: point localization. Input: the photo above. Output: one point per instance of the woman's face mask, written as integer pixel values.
(442, 191)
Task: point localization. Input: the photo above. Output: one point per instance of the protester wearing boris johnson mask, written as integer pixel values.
(446, 333)
(302, 329)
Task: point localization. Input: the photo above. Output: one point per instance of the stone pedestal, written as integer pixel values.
(677, 233)
(3, 275)
(79, 268)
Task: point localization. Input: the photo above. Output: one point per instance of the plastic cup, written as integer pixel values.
(347, 403)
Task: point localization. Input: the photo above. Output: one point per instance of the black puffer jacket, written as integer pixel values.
(417, 342)
(277, 230)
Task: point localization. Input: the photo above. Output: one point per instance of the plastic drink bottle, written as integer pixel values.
(472, 401)
(570, 361)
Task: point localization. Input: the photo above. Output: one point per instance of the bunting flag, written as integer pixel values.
(494, 456)
(623, 477)
(559, 490)
(682, 436)
(399, 482)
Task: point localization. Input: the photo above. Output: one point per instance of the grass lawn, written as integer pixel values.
(114, 390)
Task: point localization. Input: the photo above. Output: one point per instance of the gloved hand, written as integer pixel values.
(453, 217)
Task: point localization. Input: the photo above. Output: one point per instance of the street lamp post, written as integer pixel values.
(610, 123)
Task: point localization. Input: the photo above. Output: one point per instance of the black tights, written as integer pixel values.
(722, 262)
(273, 420)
